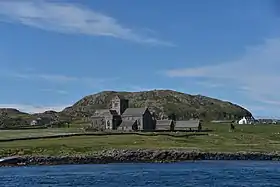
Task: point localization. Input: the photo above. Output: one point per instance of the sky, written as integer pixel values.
(54, 52)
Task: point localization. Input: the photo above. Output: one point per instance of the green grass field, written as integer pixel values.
(259, 138)
(10, 134)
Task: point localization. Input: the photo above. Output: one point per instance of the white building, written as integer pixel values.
(33, 122)
(245, 120)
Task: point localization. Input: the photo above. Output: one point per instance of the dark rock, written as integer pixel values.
(121, 156)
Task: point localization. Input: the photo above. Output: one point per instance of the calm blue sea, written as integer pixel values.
(204, 173)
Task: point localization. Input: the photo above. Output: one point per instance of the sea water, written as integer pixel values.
(201, 173)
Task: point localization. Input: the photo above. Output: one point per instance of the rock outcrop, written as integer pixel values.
(142, 155)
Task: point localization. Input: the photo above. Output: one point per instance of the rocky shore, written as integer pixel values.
(133, 156)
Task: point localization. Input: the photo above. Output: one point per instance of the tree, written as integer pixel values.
(172, 116)
(199, 126)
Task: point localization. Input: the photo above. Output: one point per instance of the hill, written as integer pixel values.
(11, 112)
(10, 117)
(163, 103)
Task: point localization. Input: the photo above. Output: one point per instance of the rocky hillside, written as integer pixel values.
(10, 117)
(163, 103)
(11, 112)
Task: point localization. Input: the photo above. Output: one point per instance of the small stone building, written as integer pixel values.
(129, 125)
(105, 119)
(165, 125)
(246, 120)
(40, 121)
(189, 125)
(143, 117)
(98, 123)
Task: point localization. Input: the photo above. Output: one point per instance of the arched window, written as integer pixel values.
(135, 126)
(116, 105)
(108, 124)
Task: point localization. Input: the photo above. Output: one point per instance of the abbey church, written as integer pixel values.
(121, 117)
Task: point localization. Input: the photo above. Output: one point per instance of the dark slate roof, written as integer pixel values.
(127, 123)
(134, 112)
(187, 124)
(105, 112)
(164, 122)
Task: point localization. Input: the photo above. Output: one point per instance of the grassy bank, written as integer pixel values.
(9, 134)
(259, 138)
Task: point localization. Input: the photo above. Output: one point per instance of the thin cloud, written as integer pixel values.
(69, 18)
(56, 78)
(34, 109)
(45, 77)
(141, 89)
(62, 92)
(210, 84)
(138, 88)
(256, 74)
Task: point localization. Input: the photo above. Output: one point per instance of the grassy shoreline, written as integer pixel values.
(246, 138)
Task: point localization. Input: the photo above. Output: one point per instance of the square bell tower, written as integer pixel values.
(119, 103)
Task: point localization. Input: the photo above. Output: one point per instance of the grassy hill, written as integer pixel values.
(163, 102)
(10, 118)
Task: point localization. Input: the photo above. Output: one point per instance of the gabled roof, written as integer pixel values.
(105, 112)
(100, 111)
(128, 123)
(164, 122)
(187, 124)
(134, 112)
(164, 125)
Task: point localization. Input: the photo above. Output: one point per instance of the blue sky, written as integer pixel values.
(55, 52)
